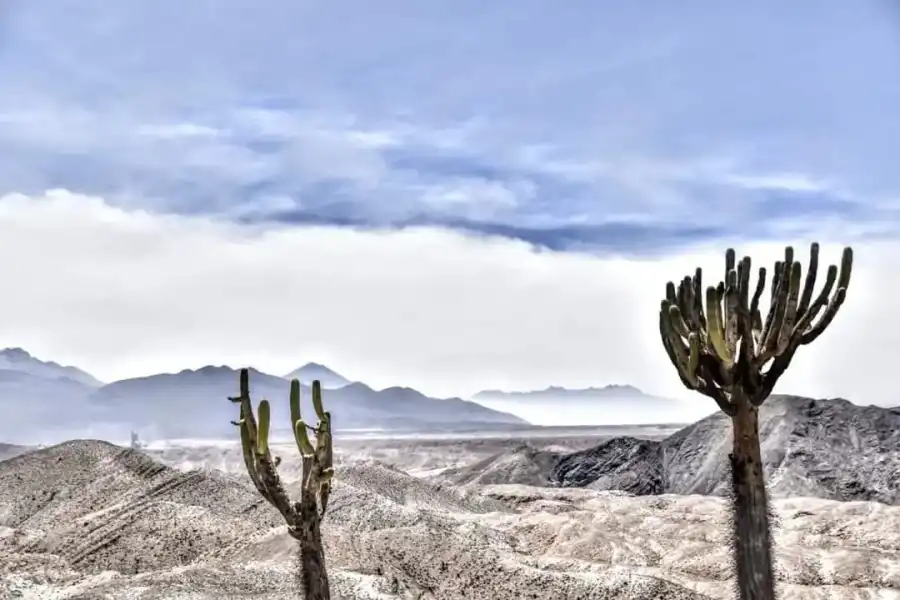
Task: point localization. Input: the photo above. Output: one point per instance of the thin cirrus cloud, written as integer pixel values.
(629, 127)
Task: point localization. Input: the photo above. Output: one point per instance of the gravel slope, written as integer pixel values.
(87, 519)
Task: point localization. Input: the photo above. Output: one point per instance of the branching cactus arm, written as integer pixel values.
(255, 446)
(726, 343)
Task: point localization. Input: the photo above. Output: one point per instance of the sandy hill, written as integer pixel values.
(523, 464)
(88, 520)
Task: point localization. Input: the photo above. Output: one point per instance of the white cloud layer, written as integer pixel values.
(129, 293)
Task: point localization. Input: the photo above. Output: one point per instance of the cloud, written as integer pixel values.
(451, 196)
(533, 121)
(127, 293)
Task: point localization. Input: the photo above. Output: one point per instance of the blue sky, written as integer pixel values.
(587, 124)
(449, 195)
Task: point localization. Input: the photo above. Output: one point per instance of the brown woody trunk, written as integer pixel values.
(313, 576)
(750, 507)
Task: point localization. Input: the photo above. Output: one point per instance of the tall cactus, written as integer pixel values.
(728, 353)
(303, 517)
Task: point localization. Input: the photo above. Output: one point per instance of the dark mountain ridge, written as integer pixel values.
(828, 448)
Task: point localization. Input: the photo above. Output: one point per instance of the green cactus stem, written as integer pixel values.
(303, 517)
(727, 352)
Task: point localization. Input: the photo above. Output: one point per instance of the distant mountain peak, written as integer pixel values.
(622, 389)
(315, 365)
(312, 371)
(614, 389)
(19, 359)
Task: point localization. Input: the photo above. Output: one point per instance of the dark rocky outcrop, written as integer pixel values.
(820, 448)
(623, 463)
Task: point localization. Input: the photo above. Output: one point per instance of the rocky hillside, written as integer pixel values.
(821, 448)
(90, 520)
(523, 464)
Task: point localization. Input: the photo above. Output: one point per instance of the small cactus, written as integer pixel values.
(303, 517)
(728, 353)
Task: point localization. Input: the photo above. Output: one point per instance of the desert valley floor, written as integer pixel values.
(573, 515)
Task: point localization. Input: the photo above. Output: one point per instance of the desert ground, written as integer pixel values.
(412, 517)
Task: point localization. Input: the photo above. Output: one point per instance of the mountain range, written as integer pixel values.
(608, 405)
(313, 371)
(44, 401)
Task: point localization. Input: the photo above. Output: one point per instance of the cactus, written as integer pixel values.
(728, 353)
(304, 516)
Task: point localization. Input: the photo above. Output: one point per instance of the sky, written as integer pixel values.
(451, 196)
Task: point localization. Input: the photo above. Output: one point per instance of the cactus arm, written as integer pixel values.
(247, 451)
(732, 343)
(773, 305)
(324, 443)
(325, 459)
(790, 311)
(697, 284)
(262, 434)
(257, 458)
(731, 315)
(836, 300)
(754, 307)
(294, 402)
(745, 320)
(674, 345)
(667, 335)
(317, 399)
(302, 437)
(779, 305)
(298, 427)
(812, 271)
(693, 362)
(714, 326)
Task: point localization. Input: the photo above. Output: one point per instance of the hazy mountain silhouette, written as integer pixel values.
(193, 403)
(609, 405)
(311, 371)
(17, 359)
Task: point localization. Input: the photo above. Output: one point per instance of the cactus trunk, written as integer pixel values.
(312, 576)
(750, 507)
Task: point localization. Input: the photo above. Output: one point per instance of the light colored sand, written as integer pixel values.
(89, 521)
